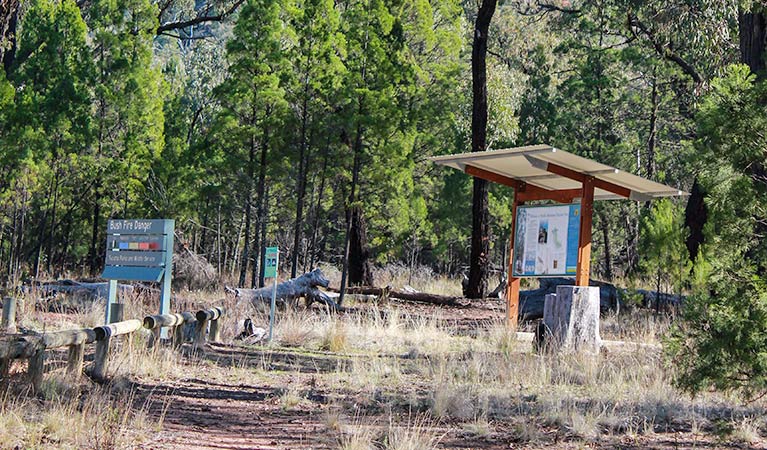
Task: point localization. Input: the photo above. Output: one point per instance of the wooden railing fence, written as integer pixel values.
(33, 347)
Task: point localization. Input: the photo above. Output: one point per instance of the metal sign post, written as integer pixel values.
(140, 250)
(271, 260)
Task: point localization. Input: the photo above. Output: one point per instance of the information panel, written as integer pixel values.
(138, 249)
(271, 259)
(141, 250)
(546, 240)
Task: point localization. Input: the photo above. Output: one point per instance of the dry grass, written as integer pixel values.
(406, 379)
(73, 418)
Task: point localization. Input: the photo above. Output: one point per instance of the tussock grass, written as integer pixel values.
(89, 419)
(637, 325)
(412, 375)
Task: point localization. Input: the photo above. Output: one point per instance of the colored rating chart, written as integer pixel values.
(136, 242)
(139, 246)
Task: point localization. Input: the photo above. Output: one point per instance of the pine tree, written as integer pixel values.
(253, 106)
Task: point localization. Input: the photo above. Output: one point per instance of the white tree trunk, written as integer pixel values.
(571, 319)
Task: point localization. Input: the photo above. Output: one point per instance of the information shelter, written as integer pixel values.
(542, 172)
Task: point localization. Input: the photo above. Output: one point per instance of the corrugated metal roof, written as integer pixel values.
(534, 164)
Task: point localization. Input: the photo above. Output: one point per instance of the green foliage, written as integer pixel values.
(721, 341)
(663, 253)
(101, 118)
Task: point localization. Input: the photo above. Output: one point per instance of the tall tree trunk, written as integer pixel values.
(695, 217)
(480, 244)
(264, 223)
(93, 254)
(318, 207)
(260, 228)
(360, 272)
(49, 247)
(234, 264)
(606, 241)
(302, 170)
(12, 242)
(218, 237)
(9, 16)
(20, 234)
(202, 247)
(93, 257)
(348, 248)
(752, 27)
(248, 204)
(653, 132)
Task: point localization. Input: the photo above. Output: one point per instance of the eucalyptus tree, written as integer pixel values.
(480, 243)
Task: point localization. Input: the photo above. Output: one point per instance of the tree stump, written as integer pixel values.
(571, 320)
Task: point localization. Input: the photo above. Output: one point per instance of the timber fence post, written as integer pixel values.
(75, 361)
(199, 332)
(36, 369)
(104, 335)
(101, 359)
(9, 315)
(215, 331)
(203, 317)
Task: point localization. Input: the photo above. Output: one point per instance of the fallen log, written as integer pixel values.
(72, 287)
(531, 302)
(288, 292)
(387, 292)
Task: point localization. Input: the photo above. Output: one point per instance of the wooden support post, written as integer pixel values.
(5, 373)
(36, 369)
(154, 338)
(584, 241)
(215, 332)
(178, 335)
(199, 333)
(75, 361)
(512, 287)
(9, 315)
(101, 360)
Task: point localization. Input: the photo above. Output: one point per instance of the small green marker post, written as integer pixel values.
(271, 260)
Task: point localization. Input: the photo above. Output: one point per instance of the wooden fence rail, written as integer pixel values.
(33, 347)
(174, 321)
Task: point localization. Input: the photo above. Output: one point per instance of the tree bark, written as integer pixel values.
(318, 207)
(480, 245)
(264, 223)
(653, 132)
(357, 150)
(302, 169)
(695, 217)
(9, 15)
(752, 27)
(359, 253)
(260, 227)
(606, 240)
(248, 205)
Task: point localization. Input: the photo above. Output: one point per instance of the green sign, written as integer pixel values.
(271, 259)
